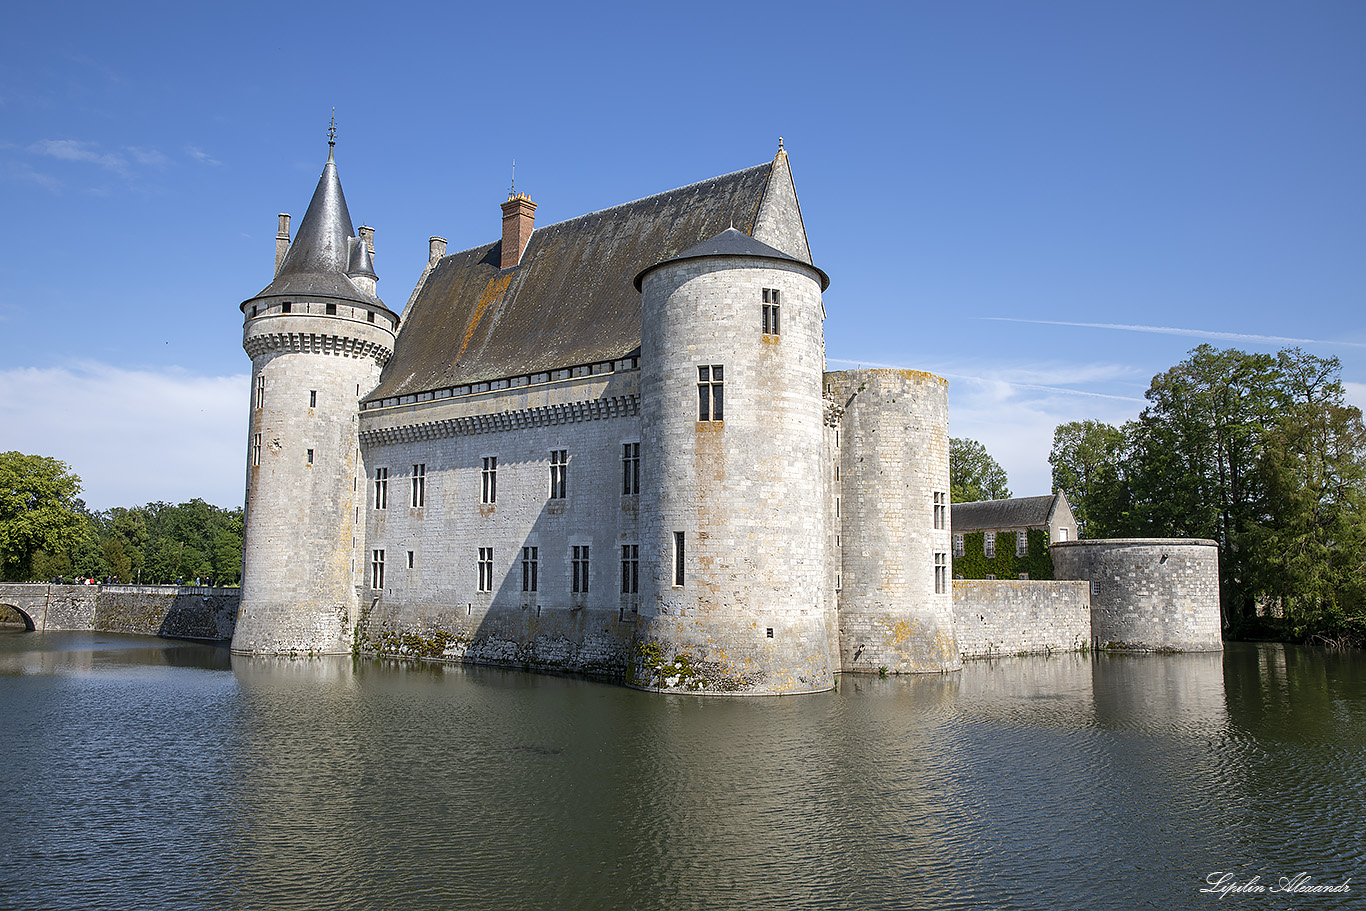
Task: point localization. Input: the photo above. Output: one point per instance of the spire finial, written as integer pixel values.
(332, 133)
(780, 143)
(512, 190)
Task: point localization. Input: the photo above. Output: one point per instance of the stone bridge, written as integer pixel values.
(176, 611)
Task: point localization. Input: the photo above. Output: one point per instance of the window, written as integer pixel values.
(559, 471)
(770, 311)
(410, 559)
(286, 307)
(377, 569)
(630, 569)
(369, 316)
(381, 488)
(256, 449)
(958, 545)
(1021, 543)
(710, 401)
(312, 398)
(991, 577)
(530, 565)
(1024, 577)
(419, 486)
(310, 457)
(1062, 534)
(260, 391)
(941, 574)
(678, 558)
(989, 544)
(486, 569)
(489, 493)
(579, 564)
(331, 309)
(630, 468)
(941, 509)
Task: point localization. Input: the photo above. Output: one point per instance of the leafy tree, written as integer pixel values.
(973, 474)
(1086, 458)
(38, 511)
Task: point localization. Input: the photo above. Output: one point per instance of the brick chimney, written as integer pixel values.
(519, 217)
(281, 241)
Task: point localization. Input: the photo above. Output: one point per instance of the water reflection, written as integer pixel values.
(201, 781)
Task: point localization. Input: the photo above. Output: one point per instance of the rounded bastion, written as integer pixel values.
(1150, 594)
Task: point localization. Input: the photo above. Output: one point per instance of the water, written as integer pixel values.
(149, 773)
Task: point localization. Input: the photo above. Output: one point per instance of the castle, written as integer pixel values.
(609, 446)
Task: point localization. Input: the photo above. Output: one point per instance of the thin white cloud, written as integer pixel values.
(133, 436)
(149, 157)
(1017, 378)
(76, 150)
(201, 156)
(1173, 330)
(22, 172)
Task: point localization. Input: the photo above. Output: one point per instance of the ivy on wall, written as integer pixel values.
(974, 564)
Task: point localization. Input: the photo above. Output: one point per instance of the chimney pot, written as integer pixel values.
(436, 250)
(519, 220)
(281, 241)
(368, 234)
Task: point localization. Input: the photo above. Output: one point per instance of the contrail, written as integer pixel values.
(1172, 330)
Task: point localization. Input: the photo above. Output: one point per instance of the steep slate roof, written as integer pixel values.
(1020, 512)
(731, 242)
(570, 301)
(321, 252)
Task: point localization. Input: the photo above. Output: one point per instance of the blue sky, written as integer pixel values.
(1047, 203)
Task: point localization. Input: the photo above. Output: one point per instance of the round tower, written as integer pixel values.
(317, 337)
(892, 507)
(733, 492)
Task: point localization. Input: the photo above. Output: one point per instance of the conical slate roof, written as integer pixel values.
(320, 255)
(731, 242)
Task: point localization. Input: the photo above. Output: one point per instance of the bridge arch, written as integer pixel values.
(9, 611)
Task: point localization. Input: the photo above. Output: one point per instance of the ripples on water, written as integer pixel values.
(149, 773)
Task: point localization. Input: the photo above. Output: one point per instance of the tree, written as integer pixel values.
(38, 511)
(973, 474)
(1086, 458)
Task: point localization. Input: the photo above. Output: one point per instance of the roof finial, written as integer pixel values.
(780, 143)
(512, 190)
(332, 134)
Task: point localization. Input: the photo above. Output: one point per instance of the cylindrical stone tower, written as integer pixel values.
(733, 492)
(896, 595)
(1152, 594)
(317, 340)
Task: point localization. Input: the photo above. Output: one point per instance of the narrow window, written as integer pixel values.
(580, 568)
(837, 507)
(377, 569)
(260, 391)
(489, 493)
(410, 559)
(312, 398)
(419, 486)
(381, 488)
(630, 569)
(940, 509)
(287, 307)
(256, 449)
(486, 569)
(310, 457)
(630, 468)
(989, 544)
(559, 472)
(369, 316)
(710, 401)
(530, 565)
(1021, 543)
(941, 574)
(254, 308)
(768, 632)
(771, 311)
(331, 309)
(678, 558)
(958, 545)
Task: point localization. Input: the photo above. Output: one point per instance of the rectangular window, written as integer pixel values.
(331, 309)
(989, 544)
(410, 559)
(312, 398)
(377, 569)
(630, 468)
(489, 492)
(419, 485)
(580, 568)
(630, 569)
(559, 473)
(370, 316)
(1021, 543)
(310, 457)
(256, 449)
(941, 574)
(260, 391)
(486, 569)
(771, 311)
(1062, 534)
(530, 565)
(941, 509)
(678, 558)
(381, 488)
(710, 398)
(958, 545)
(286, 307)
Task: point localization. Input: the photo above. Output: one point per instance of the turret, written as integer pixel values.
(732, 504)
(317, 336)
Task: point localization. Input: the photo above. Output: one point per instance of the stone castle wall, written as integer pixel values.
(894, 458)
(1147, 593)
(1020, 617)
(179, 612)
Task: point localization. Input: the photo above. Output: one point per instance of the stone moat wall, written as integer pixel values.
(175, 611)
(1020, 617)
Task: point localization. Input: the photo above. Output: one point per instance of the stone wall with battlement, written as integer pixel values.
(1020, 617)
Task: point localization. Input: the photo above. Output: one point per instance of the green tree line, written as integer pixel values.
(46, 532)
(1260, 453)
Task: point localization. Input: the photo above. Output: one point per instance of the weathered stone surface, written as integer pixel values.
(1019, 617)
(179, 612)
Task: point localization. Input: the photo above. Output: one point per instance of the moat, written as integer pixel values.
(144, 772)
